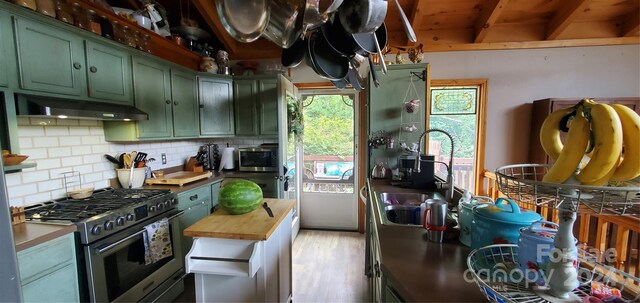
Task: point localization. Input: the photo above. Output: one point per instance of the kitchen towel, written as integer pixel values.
(227, 158)
(157, 241)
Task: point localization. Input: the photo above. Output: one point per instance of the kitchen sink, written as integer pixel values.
(402, 209)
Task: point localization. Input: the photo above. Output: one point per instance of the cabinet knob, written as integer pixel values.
(175, 103)
(193, 198)
(201, 105)
(93, 69)
(77, 65)
(168, 101)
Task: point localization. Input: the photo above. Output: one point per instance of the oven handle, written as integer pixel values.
(112, 245)
(170, 287)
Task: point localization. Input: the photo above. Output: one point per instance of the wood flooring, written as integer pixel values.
(328, 266)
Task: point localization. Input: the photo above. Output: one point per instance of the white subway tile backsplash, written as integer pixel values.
(35, 176)
(80, 130)
(46, 142)
(89, 122)
(44, 121)
(13, 179)
(23, 190)
(70, 122)
(35, 153)
(37, 198)
(100, 148)
(56, 131)
(25, 142)
(84, 169)
(48, 163)
(23, 121)
(87, 140)
(50, 185)
(30, 131)
(90, 178)
(58, 152)
(96, 130)
(16, 202)
(70, 141)
(94, 158)
(81, 150)
(71, 161)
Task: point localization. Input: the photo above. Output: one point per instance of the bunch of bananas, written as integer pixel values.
(597, 133)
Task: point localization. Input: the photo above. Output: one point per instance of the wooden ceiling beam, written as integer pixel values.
(489, 15)
(631, 25)
(434, 47)
(208, 11)
(565, 16)
(416, 16)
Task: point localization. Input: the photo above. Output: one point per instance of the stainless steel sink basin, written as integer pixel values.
(402, 209)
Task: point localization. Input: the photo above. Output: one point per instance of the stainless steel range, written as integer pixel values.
(111, 224)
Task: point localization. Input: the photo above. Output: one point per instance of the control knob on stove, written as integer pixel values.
(96, 230)
(174, 201)
(152, 209)
(129, 217)
(167, 203)
(119, 221)
(108, 225)
(160, 206)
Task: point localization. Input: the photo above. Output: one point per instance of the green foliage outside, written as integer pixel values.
(328, 126)
(463, 130)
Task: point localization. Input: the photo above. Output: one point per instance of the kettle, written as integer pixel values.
(379, 171)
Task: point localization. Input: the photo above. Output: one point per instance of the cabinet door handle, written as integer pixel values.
(201, 105)
(175, 103)
(167, 101)
(193, 198)
(93, 69)
(77, 65)
(377, 269)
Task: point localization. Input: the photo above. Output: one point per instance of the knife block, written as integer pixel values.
(192, 165)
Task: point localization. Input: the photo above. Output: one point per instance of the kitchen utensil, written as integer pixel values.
(405, 23)
(285, 22)
(112, 159)
(121, 163)
(354, 78)
(374, 74)
(465, 215)
(127, 160)
(268, 209)
(140, 157)
(535, 247)
(499, 223)
(380, 39)
(362, 16)
(133, 177)
(245, 20)
(292, 56)
(328, 63)
(312, 16)
(340, 83)
(434, 219)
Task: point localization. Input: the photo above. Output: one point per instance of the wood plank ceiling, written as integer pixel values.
(453, 25)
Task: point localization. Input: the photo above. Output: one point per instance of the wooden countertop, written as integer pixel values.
(26, 235)
(423, 271)
(255, 225)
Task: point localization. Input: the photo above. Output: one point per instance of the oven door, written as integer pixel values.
(116, 266)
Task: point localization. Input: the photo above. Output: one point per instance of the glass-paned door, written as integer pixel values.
(328, 198)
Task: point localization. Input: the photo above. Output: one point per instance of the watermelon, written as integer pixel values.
(240, 196)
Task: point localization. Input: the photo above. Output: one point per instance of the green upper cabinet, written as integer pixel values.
(245, 93)
(109, 74)
(152, 92)
(5, 36)
(49, 60)
(216, 106)
(256, 105)
(268, 106)
(184, 93)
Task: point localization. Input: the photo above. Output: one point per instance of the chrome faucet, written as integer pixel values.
(449, 182)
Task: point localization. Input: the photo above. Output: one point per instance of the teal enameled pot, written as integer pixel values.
(499, 223)
(465, 215)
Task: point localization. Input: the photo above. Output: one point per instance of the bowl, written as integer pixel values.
(138, 176)
(142, 21)
(13, 159)
(80, 193)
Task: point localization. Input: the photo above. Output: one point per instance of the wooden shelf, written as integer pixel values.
(19, 167)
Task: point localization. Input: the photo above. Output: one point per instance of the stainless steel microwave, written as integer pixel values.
(258, 159)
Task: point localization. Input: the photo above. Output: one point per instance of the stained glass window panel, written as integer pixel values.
(456, 101)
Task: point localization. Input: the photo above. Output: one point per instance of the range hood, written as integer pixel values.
(40, 106)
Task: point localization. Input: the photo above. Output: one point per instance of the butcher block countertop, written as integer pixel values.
(26, 235)
(255, 225)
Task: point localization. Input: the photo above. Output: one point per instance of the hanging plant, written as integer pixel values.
(295, 121)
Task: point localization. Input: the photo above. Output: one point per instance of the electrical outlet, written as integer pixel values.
(164, 158)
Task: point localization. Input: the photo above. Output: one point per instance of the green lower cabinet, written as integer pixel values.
(196, 204)
(216, 106)
(215, 193)
(109, 74)
(48, 271)
(50, 60)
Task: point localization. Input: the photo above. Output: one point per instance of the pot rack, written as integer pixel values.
(523, 183)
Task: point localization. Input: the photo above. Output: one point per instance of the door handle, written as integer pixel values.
(77, 65)
(193, 198)
(93, 69)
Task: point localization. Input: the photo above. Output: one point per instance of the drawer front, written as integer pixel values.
(194, 196)
(42, 258)
(58, 286)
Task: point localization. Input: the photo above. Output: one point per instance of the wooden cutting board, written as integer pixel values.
(179, 178)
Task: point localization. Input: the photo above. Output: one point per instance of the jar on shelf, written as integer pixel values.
(144, 43)
(46, 7)
(118, 33)
(128, 36)
(137, 38)
(30, 4)
(63, 12)
(107, 27)
(79, 16)
(93, 22)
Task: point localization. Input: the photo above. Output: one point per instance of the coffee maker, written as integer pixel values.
(425, 179)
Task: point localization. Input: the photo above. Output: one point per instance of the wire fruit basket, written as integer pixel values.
(495, 269)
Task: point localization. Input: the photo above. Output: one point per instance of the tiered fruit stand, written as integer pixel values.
(493, 266)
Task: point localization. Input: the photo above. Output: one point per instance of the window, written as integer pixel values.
(458, 107)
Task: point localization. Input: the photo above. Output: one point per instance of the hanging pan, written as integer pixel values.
(244, 20)
(285, 22)
(362, 16)
(292, 56)
(325, 61)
